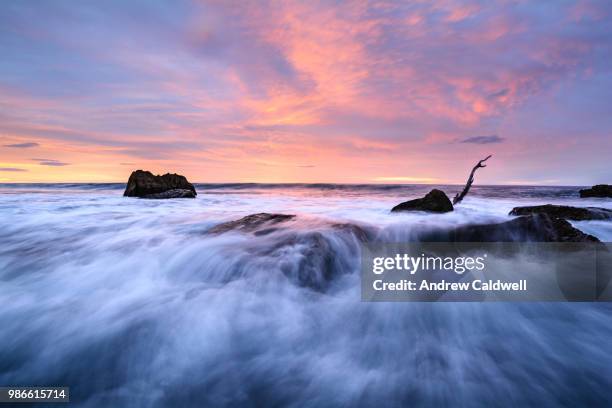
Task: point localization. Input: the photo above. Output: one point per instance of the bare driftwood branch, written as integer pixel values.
(459, 197)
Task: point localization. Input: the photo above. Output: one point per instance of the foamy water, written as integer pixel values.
(130, 303)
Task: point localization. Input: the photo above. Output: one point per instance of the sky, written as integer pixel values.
(307, 91)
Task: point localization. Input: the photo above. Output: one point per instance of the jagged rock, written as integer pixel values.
(600, 190)
(529, 228)
(435, 201)
(566, 212)
(251, 223)
(144, 184)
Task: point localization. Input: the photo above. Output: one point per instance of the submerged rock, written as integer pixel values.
(145, 184)
(314, 260)
(566, 212)
(362, 234)
(266, 223)
(529, 228)
(600, 190)
(251, 223)
(308, 258)
(435, 201)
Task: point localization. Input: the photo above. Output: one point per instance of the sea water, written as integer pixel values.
(131, 304)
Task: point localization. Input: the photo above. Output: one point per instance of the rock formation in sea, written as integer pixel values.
(529, 228)
(566, 212)
(600, 190)
(435, 201)
(145, 184)
(265, 223)
(321, 254)
(260, 224)
(324, 252)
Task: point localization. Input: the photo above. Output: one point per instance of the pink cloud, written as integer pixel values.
(215, 86)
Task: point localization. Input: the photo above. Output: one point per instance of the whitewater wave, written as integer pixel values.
(133, 303)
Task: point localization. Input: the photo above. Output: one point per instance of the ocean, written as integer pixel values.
(131, 303)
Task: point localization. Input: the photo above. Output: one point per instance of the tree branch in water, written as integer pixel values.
(460, 196)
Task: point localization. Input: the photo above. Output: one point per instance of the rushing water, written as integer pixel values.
(131, 304)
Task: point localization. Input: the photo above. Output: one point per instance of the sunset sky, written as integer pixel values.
(308, 91)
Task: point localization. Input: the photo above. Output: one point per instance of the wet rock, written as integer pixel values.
(253, 223)
(435, 201)
(530, 228)
(313, 259)
(145, 184)
(600, 190)
(362, 234)
(174, 193)
(566, 212)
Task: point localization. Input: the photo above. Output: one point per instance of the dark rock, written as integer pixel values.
(600, 190)
(175, 193)
(308, 258)
(251, 223)
(566, 212)
(362, 234)
(530, 228)
(313, 263)
(144, 184)
(317, 258)
(435, 201)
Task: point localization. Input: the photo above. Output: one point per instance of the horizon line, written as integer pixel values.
(307, 183)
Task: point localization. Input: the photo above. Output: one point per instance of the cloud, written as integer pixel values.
(22, 145)
(14, 169)
(499, 94)
(51, 162)
(349, 86)
(483, 139)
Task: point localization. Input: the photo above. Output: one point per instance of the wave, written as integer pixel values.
(135, 303)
